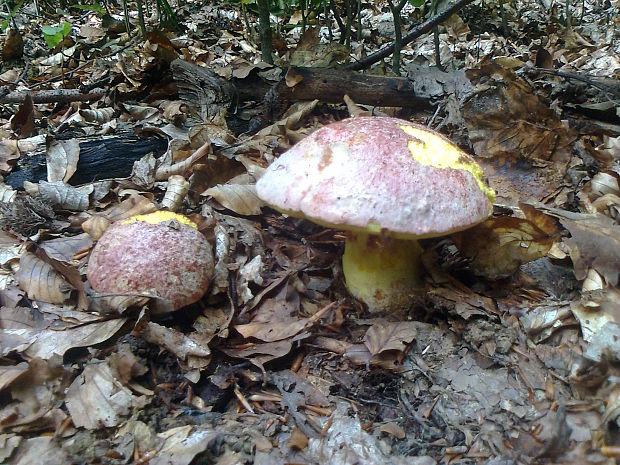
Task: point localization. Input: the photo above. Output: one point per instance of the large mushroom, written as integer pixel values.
(388, 183)
(161, 254)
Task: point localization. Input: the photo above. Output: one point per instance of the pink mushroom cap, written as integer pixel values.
(160, 254)
(379, 175)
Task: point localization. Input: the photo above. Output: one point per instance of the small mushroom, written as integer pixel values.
(387, 182)
(161, 254)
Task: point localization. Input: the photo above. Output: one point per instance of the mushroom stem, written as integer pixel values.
(382, 272)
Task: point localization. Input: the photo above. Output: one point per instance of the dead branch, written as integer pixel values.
(53, 96)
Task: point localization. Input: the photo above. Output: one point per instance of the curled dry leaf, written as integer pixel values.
(164, 172)
(354, 109)
(62, 260)
(177, 189)
(65, 197)
(293, 116)
(186, 348)
(499, 246)
(62, 158)
(135, 205)
(95, 226)
(99, 116)
(11, 150)
(41, 281)
(239, 198)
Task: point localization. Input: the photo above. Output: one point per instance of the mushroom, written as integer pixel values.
(388, 183)
(161, 254)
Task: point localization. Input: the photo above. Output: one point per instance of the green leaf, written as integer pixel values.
(96, 7)
(417, 3)
(54, 35)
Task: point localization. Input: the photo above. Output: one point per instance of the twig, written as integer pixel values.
(612, 87)
(53, 96)
(413, 34)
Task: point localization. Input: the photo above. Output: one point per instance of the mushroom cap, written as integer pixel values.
(161, 254)
(379, 175)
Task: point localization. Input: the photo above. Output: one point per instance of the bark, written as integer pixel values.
(326, 84)
(101, 158)
(264, 27)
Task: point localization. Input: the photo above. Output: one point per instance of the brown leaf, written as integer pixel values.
(239, 198)
(522, 145)
(271, 331)
(62, 158)
(499, 246)
(259, 354)
(13, 46)
(23, 121)
(298, 439)
(594, 243)
(96, 398)
(393, 429)
(387, 335)
(68, 271)
(41, 281)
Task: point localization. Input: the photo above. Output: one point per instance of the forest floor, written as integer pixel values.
(508, 356)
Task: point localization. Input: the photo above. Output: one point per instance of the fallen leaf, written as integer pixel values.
(96, 399)
(23, 121)
(387, 335)
(239, 198)
(41, 281)
(497, 247)
(298, 439)
(594, 243)
(393, 429)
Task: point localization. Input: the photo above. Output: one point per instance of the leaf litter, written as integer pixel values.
(511, 356)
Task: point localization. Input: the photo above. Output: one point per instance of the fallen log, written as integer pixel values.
(204, 89)
(106, 157)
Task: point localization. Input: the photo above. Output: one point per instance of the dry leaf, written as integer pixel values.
(259, 354)
(11, 150)
(23, 121)
(393, 429)
(62, 157)
(65, 248)
(49, 342)
(278, 328)
(96, 399)
(387, 335)
(594, 243)
(65, 197)
(239, 198)
(298, 439)
(98, 116)
(177, 189)
(41, 281)
(188, 348)
(499, 246)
